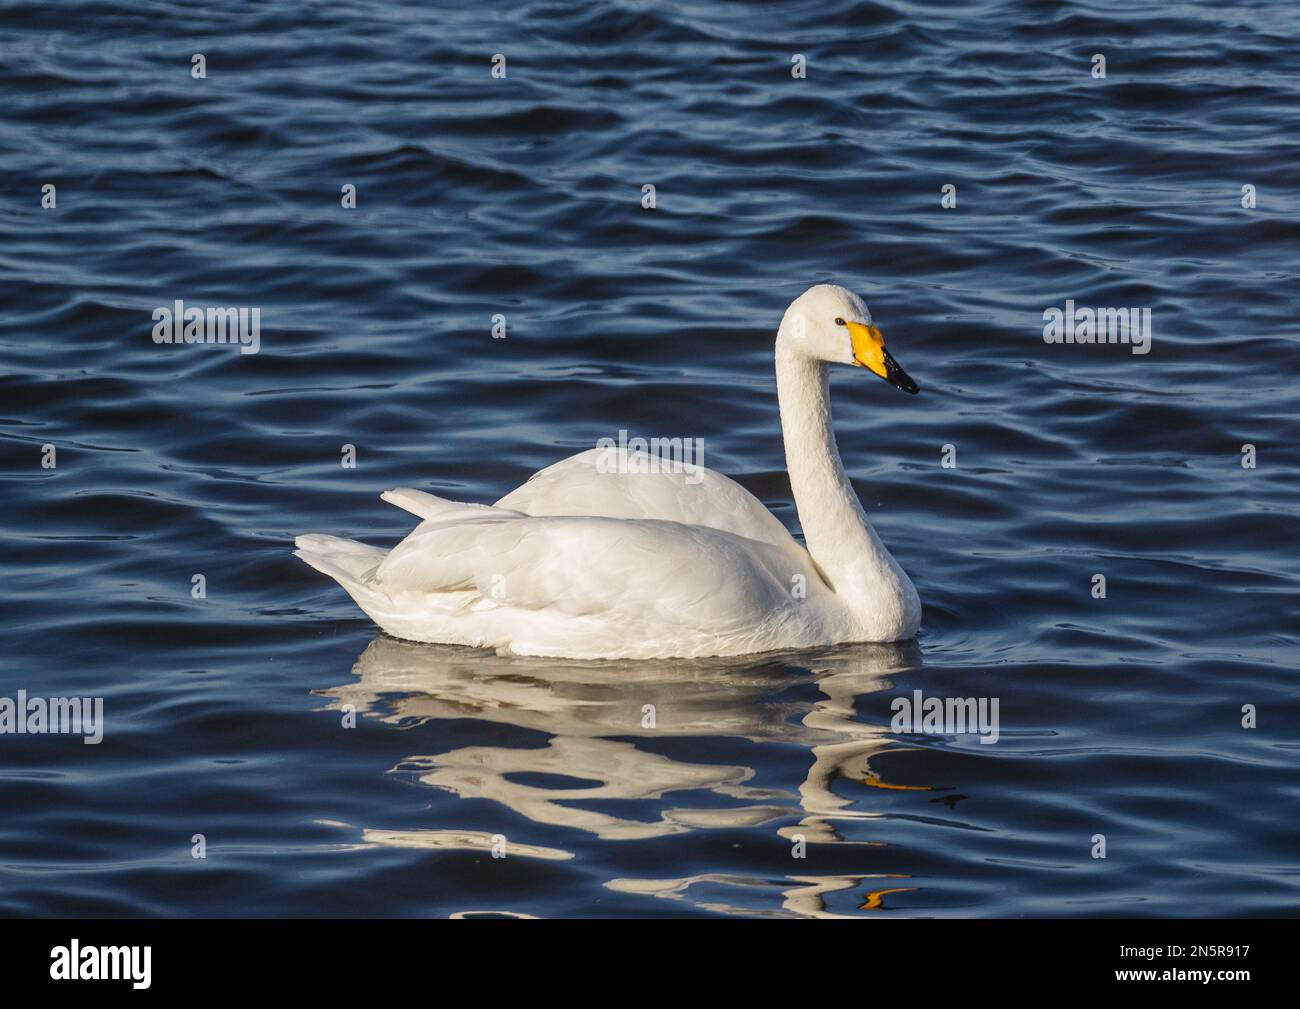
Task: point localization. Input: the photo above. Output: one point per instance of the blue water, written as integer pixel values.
(225, 716)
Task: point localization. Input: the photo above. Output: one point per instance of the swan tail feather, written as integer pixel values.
(354, 566)
(417, 502)
(429, 506)
(346, 561)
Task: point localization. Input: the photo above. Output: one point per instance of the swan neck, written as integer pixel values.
(836, 530)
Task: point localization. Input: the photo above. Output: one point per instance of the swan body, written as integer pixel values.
(604, 555)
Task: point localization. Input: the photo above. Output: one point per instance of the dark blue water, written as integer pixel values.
(225, 715)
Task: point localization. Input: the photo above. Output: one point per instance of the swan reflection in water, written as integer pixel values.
(597, 716)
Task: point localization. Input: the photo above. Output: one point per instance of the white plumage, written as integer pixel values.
(599, 556)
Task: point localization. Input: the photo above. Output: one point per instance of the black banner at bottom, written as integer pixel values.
(338, 957)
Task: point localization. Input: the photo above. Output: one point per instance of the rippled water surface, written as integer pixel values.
(225, 716)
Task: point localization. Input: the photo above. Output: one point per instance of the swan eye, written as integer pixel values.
(839, 322)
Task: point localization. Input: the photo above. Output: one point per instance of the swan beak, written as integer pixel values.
(870, 353)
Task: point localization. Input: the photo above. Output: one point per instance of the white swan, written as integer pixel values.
(590, 560)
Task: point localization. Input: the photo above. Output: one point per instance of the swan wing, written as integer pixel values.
(615, 483)
(590, 586)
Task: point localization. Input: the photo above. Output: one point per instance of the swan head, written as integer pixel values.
(829, 323)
